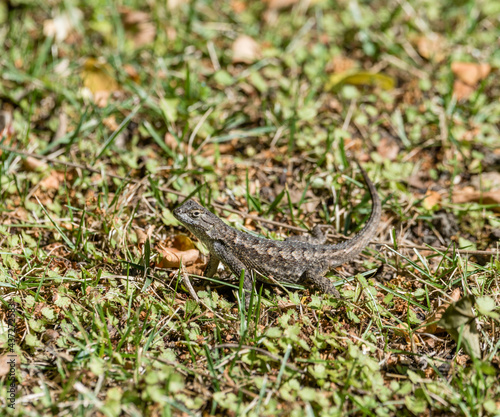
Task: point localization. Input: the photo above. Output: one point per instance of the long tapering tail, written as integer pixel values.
(349, 249)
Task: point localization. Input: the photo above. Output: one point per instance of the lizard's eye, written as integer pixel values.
(195, 214)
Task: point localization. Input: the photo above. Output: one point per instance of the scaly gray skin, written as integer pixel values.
(293, 261)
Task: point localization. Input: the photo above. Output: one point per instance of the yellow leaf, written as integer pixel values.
(98, 77)
(183, 243)
(361, 78)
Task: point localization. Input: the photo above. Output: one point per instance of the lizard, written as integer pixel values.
(294, 260)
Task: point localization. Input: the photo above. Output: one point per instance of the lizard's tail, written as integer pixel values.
(349, 249)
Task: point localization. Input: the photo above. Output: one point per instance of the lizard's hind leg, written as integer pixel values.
(314, 277)
(314, 237)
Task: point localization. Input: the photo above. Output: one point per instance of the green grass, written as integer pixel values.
(102, 330)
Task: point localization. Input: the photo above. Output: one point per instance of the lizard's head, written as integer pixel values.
(196, 218)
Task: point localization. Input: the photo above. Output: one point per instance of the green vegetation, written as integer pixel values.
(111, 113)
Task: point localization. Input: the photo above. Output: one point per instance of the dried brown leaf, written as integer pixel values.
(4, 365)
(132, 72)
(388, 149)
(245, 50)
(50, 335)
(138, 26)
(431, 47)
(110, 123)
(431, 199)
(171, 142)
(402, 329)
(6, 128)
(461, 90)
(53, 181)
(430, 325)
(470, 73)
(32, 164)
(97, 77)
(141, 237)
(486, 181)
(238, 6)
(20, 213)
(341, 64)
(6, 361)
(196, 269)
(172, 258)
(470, 195)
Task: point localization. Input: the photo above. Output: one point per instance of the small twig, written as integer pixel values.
(187, 283)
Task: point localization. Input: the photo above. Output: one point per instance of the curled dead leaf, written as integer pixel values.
(50, 335)
(4, 365)
(132, 72)
(68, 226)
(173, 258)
(20, 213)
(284, 305)
(141, 237)
(196, 269)
(455, 295)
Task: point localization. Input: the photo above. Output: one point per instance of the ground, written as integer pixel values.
(113, 113)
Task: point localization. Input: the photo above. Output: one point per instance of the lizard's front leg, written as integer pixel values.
(212, 266)
(236, 267)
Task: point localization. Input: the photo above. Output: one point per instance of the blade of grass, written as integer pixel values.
(115, 134)
(61, 232)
